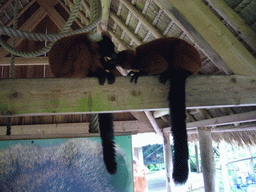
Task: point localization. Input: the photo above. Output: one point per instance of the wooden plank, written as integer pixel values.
(230, 119)
(231, 128)
(25, 61)
(235, 21)
(53, 136)
(6, 4)
(105, 14)
(214, 32)
(52, 13)
(153, 123)
(124, 46)
(140, 17)
(20, 12)
(29, 25)
(48, 130)
(51, 96)
(68, 11)
(125, 28)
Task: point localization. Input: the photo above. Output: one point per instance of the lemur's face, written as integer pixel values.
(106, 47)
(123, 59)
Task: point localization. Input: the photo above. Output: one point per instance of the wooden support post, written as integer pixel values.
(224, 168)
(168, 161)
(207, 159)
(251, 164)
(198, 167)
(138, 153)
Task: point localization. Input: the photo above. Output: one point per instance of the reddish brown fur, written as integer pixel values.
(74, 56)
(158, 55)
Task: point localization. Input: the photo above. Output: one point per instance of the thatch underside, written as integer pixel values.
(236, 138)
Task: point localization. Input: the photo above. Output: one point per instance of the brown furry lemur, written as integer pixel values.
(175, 59)
(77, 56)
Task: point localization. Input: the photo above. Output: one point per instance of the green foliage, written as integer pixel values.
(155, 167)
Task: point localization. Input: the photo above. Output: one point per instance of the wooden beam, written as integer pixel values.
(25, 61)
(153, 123)
(87, 21)
(68, 11)
(140, 17)
(125, 28)
(225, 120)
(51, 96)
(6, 4)
(231, 128)
(21, 12)
(215, 33)
(52, 13)
(53, 136)
(235, 21)
(29, 25)
(105, 14)
(125, 47)
(73, 128)
(87, 8)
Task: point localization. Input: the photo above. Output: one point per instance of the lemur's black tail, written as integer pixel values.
(178, 125)
(107, 136)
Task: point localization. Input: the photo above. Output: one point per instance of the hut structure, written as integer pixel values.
(221, 99)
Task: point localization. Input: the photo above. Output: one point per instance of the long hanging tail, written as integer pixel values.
(107, 137)
(178, 125)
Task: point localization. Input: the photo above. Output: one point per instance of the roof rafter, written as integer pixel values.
(52, 13)
(210, 30)
(29, 26)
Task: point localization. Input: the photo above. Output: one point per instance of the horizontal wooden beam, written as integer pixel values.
(72, 96)
(220, 121)
(69, 130)
(25, 61)
(230, 119)
(226, 129)
(52, 136)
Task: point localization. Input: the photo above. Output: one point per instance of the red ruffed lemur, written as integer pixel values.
(77, 56)
(175, 59)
